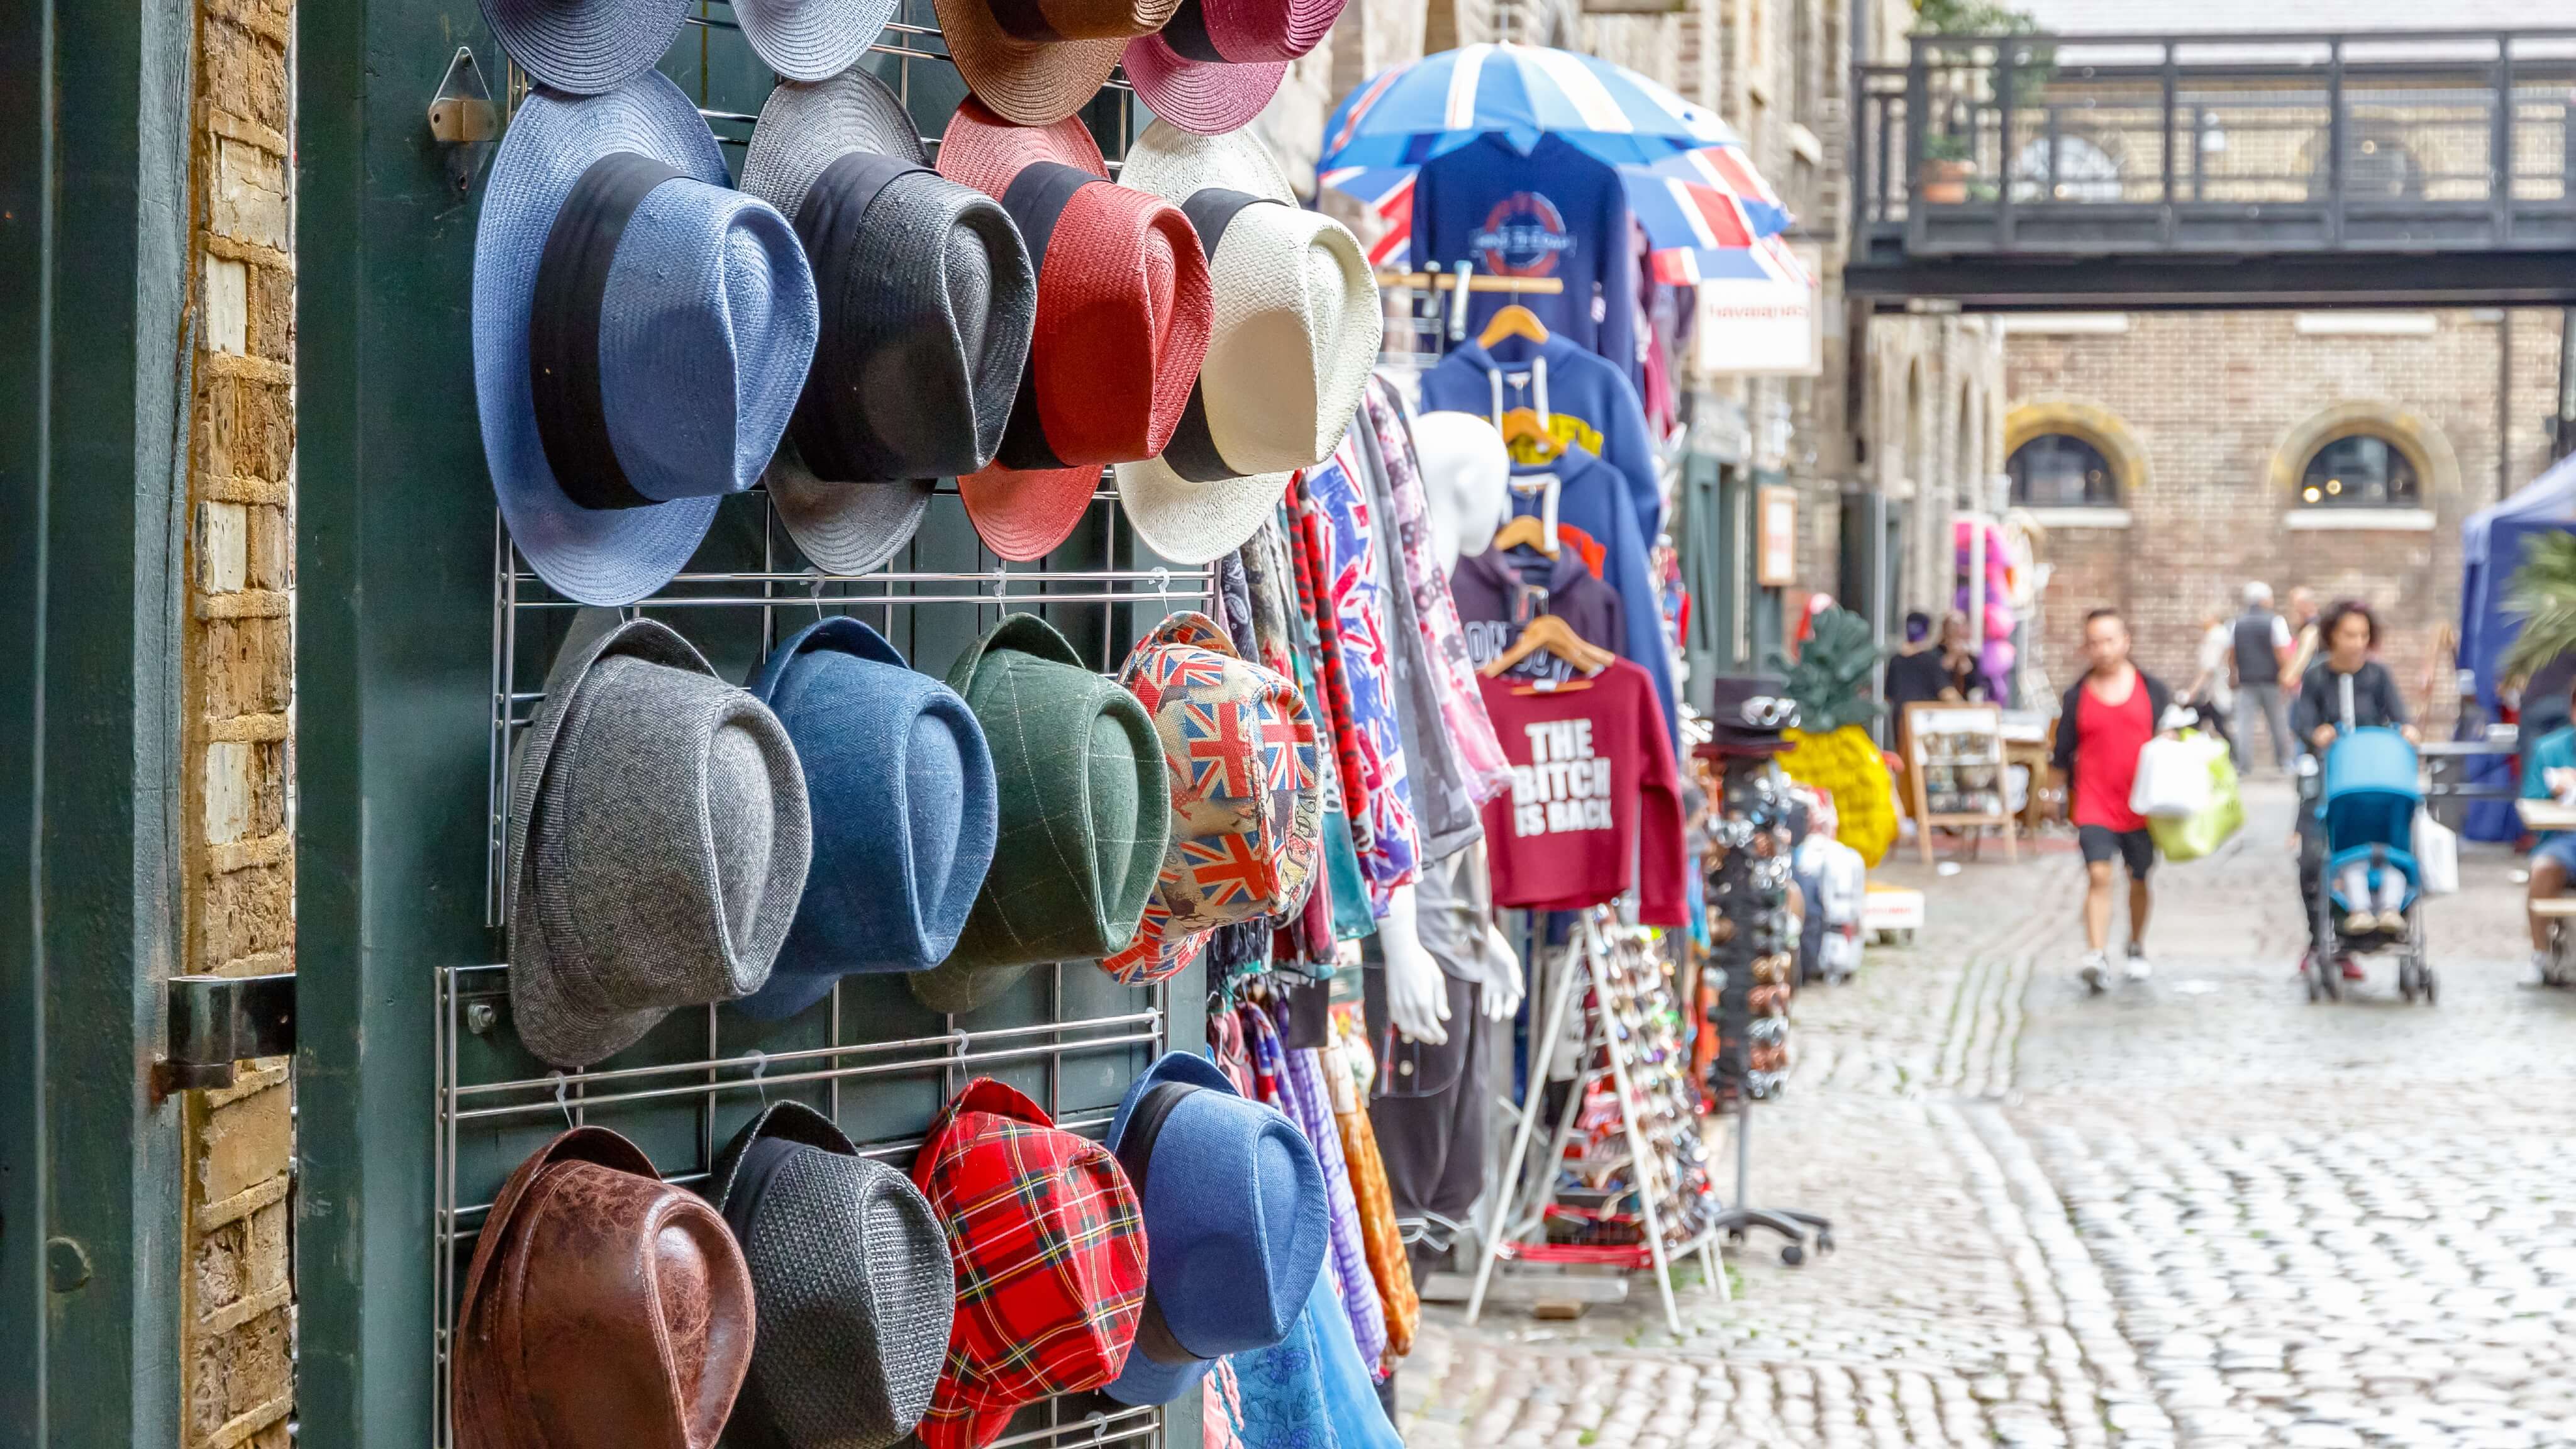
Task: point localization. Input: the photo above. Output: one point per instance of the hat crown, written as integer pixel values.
(707, 327)
(1297, 328)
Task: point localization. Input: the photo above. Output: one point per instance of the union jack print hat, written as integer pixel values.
(1247, 795)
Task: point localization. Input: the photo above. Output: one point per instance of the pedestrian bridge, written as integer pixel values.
(2271, 169)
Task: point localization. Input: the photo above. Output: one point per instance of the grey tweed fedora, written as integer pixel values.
(928, 299)
(853, 1281)
(659, 839)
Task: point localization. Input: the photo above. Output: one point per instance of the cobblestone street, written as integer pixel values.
(2195, 1211)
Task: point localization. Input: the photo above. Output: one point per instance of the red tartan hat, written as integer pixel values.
(1050, 1249)
(1124, 313)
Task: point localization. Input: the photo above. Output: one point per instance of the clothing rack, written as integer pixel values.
(1521, 1210)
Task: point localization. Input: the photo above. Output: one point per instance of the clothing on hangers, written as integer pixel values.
(1342, 547)
(1499, 591)
(1595, 805)
(1589, 497)
(1556, 212)
(1587, 404)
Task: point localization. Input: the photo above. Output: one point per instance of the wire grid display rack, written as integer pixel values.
(869, 1056)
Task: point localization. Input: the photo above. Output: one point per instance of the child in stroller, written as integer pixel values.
(2357, 870)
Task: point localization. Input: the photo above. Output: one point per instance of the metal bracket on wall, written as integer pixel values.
(216, 1021)
(463, 120)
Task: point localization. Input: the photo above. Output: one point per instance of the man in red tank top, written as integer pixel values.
(2103, 722)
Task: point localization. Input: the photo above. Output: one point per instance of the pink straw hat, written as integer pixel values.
(1216, 63)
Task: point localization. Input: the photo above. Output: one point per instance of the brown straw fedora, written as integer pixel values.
(1038, 61)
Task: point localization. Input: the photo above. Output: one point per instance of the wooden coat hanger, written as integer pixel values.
(1553, 634)
(1526, 531)
(1513, 321)
(1529, 438)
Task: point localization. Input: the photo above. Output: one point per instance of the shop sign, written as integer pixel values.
(1766, 325)
(1775, 550)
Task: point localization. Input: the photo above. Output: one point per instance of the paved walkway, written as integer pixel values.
(2198, 1211)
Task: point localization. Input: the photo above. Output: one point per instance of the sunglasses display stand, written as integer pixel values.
(693, 1086)
(1754, 956)
(1516, 1230)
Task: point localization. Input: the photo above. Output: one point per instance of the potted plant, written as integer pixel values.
(1946, 169)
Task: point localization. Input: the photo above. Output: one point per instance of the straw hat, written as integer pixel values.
(1038, 61)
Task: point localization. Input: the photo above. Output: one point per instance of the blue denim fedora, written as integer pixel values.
(641, 334)
(903, 804)
(1235, 1223)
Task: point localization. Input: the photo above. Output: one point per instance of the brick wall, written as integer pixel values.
(2210, 399)
(238, 1364)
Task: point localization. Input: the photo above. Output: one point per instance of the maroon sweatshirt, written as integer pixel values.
(1595, 804)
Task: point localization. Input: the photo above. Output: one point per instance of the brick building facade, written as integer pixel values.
(2208, 421)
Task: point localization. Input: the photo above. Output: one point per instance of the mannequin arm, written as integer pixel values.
(1416, 997)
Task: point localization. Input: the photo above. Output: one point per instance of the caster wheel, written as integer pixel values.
(1735, 1236)
(1824, 1242)
(1793, 1255)
(2431, 991)
(2315, 992)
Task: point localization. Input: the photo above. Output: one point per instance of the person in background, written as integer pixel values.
(2106, 718)
(2210, 696)
(2349, 636)
(1916, 674)
(1967, 676)
(2303, 639)
(2550, 774)
(2262, 649)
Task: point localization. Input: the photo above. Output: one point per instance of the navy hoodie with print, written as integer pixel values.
(1589, 406)
(1590, 497)
(1556, 212)
(1487, 589)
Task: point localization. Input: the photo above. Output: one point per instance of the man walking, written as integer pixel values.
(2263, 648)
(2106, 718)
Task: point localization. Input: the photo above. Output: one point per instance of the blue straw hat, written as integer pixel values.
(903, 800)
(1235, 1223)
(641, 333)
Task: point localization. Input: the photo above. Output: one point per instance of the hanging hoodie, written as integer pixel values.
(1500, 591)
(1590, 497)
(1595, 804)
(1581, 400)
(1556, 212)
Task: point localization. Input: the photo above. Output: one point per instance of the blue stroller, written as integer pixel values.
(2365, 812)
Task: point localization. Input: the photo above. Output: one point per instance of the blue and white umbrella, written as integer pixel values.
(1705, 201)
(1406, 116)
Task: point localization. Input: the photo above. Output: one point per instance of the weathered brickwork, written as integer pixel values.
(238, 1334)
(2223, 410)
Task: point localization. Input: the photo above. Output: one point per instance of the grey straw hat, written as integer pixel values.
(928, 297)
(585, 46)
(659, 839)
(807, 40)
(853, 1282)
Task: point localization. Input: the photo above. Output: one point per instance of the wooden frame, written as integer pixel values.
(1928, 720)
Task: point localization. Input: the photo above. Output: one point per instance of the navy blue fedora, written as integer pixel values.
(641, 334)
(903, 804)
(1235, 1223)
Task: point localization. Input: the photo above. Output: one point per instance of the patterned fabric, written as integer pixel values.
(1246, 805)
(1306, 550)
(1245, 945)
(1309, 1104)
(1286, 640)
(1344, 532)
(1311, 1390)
(1050, 1249)
(1221, 1408)
(1267, 1054)
(1379, 1235)
(1462, 706)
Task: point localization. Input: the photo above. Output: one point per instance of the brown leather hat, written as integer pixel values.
(605, 1309)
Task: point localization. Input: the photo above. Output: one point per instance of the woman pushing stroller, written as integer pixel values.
(2348, 689)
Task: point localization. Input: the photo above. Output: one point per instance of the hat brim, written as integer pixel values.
(813, 39)
(1026, 516)
(1206, 98)
(607, 556)
(585, 47)
(1194, 523)
(844, 528)
(1024, 81)
(1176, 163)
(985, 149)
(804, 128)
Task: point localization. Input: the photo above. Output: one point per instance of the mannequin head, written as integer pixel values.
(1466, 479)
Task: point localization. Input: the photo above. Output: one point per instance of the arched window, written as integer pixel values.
(2060, 470)
(2360, 470)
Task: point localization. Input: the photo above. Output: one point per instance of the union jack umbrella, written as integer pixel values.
(1706, 200)
(1408, 115)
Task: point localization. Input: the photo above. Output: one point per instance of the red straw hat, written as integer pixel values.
(1216, 63)
(1124, 312)
(1038, 61)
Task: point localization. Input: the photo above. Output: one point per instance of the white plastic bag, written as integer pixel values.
(2173, 776)
(2437, 855)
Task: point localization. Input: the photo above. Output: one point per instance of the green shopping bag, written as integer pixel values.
(2193, 836)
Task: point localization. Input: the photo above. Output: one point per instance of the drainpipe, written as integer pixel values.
(2504, 402)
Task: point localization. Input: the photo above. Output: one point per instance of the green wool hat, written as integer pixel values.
(1085, 814)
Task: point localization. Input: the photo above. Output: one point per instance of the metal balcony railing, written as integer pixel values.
(2141, 146)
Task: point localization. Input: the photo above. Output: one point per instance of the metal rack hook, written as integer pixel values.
(1163, 586)
(759, 1061)
(563, 1086)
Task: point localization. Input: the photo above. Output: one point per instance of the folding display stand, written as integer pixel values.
(1520, 1213)
(1748, 831)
